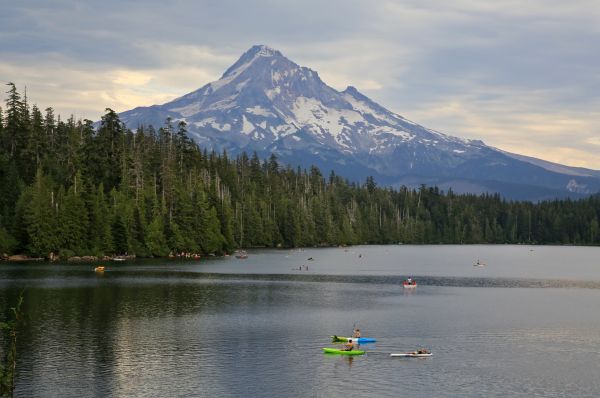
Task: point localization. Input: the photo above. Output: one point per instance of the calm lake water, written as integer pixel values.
(527, 324)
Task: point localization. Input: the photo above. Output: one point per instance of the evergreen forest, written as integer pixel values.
(71, 187)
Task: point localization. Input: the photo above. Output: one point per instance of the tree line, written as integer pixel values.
(74, 188)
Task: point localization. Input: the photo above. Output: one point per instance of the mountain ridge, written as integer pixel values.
(266, 103)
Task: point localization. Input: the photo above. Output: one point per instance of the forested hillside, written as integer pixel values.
(68, 188)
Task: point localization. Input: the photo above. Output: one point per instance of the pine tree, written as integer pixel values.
(14, 122)
(182, 223)
(73, 223)
(212, 241)
(119, 235)
(105, 159)
(50, 129)
(137, 234)
(40, 216)
(37, 145)
(225, 214)
(100, 234)
(155, 237)
(207, 225)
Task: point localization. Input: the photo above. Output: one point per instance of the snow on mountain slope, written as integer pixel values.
(266, 103)
(265, 97)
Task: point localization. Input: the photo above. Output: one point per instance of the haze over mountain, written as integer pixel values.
(266, 103)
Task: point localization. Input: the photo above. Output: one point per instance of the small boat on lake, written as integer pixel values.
(241, 255)
(409, 284)
(99, 268)
(479, 264)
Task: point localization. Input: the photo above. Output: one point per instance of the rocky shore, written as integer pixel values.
(19, 258)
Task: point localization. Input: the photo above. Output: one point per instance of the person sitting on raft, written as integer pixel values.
(422, 351)
(348, 346)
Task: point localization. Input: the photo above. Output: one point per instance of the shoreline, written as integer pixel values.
(23, 258)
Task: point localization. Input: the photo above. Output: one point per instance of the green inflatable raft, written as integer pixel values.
(342, 352)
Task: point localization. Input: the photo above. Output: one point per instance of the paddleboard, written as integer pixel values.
(411, 355)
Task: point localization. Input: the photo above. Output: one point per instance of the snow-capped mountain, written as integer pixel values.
(266, 103)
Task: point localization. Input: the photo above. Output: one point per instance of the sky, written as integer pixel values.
(521, 76)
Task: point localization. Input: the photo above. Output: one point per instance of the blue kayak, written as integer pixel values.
(359, 340)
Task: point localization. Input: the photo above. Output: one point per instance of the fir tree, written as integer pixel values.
(40, 206)
(73, 223)
(155, 237)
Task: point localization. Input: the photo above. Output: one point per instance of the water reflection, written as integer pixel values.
(137, 331)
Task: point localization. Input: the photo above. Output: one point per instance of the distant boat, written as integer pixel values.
(241, 255)
(479, 264)
(119, 258)
(409, 284)
(99, 268)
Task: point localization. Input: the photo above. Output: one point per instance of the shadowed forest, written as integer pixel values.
(70, 187)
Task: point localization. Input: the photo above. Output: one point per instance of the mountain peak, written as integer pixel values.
(255, 52)
(264, 51)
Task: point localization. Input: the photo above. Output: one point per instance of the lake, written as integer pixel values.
(524, 325)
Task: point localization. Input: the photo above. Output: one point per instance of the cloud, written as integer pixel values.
(131, 78)
(517, 125)
(593, 141)
(85, 91)
(521, 76)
